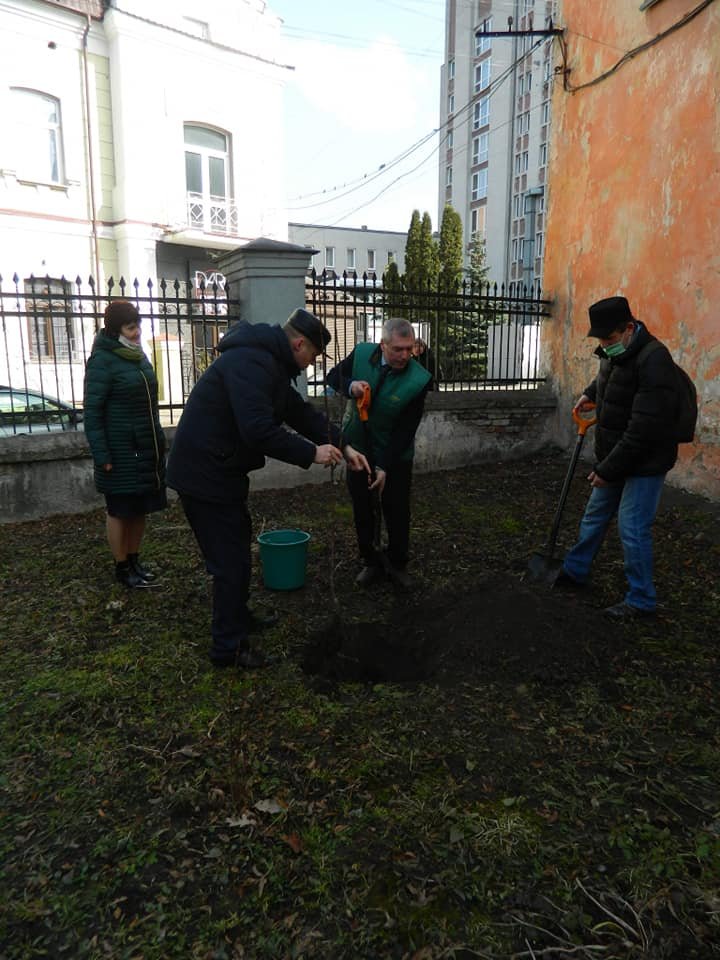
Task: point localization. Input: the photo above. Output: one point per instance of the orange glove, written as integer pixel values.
(363, 404)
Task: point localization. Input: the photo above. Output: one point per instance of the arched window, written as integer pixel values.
(38, 136)
(207, 175)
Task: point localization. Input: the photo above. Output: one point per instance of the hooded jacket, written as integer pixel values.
(122, 423)
(234, 417)
(635, 411)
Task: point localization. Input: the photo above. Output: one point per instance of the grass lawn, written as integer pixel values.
(480, 768)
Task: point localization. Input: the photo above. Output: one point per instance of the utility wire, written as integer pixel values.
(360, 183)
(683, 21)
(496, 84)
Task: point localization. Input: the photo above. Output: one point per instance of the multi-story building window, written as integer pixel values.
(371, 260)
(450, 139)
(481, 113)
(477, 222)
(479, 185)
(329, 257)
(451, 103)
(448, 177)
(483, 43)
(451, 70)
(350, 258)
(542, 158)
(207, 165)
(482, 75)
(37, 136)
(391, 256)
(480, 149)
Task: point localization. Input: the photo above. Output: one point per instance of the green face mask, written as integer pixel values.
(614, 350)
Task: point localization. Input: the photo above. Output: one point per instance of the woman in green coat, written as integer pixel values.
(122, 425)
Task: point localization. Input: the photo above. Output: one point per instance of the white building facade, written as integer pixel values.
(495, 127)
(351, 250)
(134, 146)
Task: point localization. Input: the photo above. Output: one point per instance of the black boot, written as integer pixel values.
(125, 575)
(139, 569)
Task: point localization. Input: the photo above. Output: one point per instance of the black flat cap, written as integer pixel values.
(609, 315)
(309, 326)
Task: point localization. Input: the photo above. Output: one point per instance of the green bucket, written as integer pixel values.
(283, 554)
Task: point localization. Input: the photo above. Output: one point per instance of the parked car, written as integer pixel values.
(30, 411)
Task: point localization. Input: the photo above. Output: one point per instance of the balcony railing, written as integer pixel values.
(212, 214)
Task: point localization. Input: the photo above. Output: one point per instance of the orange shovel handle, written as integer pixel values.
(584, 423)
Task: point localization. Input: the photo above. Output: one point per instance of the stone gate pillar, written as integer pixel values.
(268, 278)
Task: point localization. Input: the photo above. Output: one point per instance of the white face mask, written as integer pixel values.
(129, 343)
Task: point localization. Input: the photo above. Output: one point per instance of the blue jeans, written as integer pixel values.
(635, 500)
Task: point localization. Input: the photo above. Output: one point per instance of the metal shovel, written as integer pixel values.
(542, 566)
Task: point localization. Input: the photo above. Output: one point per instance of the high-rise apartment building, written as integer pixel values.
(495, 127)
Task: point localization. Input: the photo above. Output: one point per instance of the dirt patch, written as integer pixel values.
(504, 630)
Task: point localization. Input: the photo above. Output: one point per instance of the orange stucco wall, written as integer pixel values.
(634, 200)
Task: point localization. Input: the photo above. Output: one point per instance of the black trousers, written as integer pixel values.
(223, 532)
(395, 505)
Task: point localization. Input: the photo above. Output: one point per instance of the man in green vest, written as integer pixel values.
(398, 387)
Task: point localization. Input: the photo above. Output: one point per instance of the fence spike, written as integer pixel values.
(150, 285)
(16, 279)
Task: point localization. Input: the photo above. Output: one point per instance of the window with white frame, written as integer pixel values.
(391, 256)
(350, 258)
(538, 244)
(479, 185)
(545, 112)
(207, 179)
(371, 260)
(483, 43)
(329, 257)
(451, 69)
(542, 158)
(448, 177)
(477, 222)
(480, 148)
(482, 75)
(450, 139)
(516, 205)
(481, 113)
(451, 103)
(37, 136)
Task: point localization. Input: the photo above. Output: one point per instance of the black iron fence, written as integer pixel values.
(47, 326)
(484, 337)
(474, 336)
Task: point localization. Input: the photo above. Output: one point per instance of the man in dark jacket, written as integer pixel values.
(233, 419)
(398, 387)
(635, 396)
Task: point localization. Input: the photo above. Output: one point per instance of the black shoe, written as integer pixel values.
(623, 611)
(245, 659)
(139, 569)
(257, 622)
(368, 575)
(563, 581)
(400, 577)
(125, 575)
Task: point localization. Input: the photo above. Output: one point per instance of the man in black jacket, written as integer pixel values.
(233, 419)
(635, 395)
